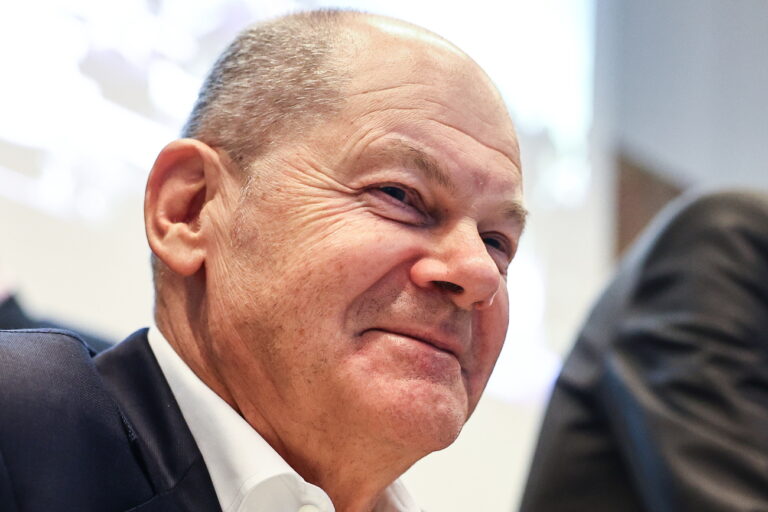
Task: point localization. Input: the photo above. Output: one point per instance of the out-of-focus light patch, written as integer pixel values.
(55, 190)
(109, 132)
(68, 120)
(31, 36)
(126, 27)
(91, 204)
(524, 373)
(100, 176)
(171, 89)
(204, 17)
(275, 8)
(565, 181)
(176, 45)
(45, 114)
(97, 151)
(72, 187)
(548, 84)
(525, 369)
(199, 19)
(16, 187)
(43, 85)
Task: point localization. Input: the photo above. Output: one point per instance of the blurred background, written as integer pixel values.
(620, 106)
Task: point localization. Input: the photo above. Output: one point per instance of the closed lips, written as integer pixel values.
(433, 341)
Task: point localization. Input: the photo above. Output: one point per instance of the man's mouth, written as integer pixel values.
(441, 343)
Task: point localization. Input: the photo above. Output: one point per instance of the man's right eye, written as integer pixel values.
(400, 203)
(396, 192)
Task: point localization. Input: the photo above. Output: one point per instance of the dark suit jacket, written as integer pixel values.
(662, 405)
(79, 434)
(12, 316)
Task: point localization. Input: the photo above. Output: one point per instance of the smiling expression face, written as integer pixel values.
(359, 285)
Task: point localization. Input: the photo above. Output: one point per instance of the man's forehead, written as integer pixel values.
(394, 54)
(405, 153)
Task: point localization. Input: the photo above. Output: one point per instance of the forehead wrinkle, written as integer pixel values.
(513, 158)
(373, 90)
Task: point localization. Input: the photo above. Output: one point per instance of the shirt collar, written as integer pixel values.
(247, 473)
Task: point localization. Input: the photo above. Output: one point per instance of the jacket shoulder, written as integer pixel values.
(62, 438)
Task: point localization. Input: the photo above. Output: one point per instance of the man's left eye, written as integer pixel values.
(498, 243)
(501, 250)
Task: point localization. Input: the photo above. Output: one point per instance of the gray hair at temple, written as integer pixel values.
(275, 80)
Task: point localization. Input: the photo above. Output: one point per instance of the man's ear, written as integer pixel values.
(183, 178)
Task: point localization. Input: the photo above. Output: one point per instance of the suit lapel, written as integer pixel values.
(160, 436)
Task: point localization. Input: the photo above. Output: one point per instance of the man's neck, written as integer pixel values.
(347, 471)
(345, 462)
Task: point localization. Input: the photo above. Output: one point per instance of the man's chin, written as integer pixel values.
(423, 414)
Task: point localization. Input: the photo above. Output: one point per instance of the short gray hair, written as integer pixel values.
(275, 78)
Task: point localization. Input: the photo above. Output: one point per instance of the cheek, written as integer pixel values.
(355, 258)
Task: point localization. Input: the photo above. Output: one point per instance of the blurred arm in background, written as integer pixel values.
(662, 404)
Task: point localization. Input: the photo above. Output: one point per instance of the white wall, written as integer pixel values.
(94, 275)
(691, 80)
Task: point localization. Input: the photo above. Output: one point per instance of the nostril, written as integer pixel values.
(448, 286)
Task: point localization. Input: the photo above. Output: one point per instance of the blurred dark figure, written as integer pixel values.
(662, 406)
(12, 316)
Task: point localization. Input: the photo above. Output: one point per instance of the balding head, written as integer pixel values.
(279, 78)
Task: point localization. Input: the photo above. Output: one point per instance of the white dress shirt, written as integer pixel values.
(247, 473)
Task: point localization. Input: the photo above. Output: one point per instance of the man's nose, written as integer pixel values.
(459, 265)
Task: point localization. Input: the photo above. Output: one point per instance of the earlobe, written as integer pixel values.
(177, 189)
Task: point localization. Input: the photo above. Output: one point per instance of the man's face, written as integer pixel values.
(360, 283)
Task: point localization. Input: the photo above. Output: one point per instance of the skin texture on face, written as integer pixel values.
(355, 291)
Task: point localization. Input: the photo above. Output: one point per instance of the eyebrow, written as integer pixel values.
(411, 156)
(515, 211)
